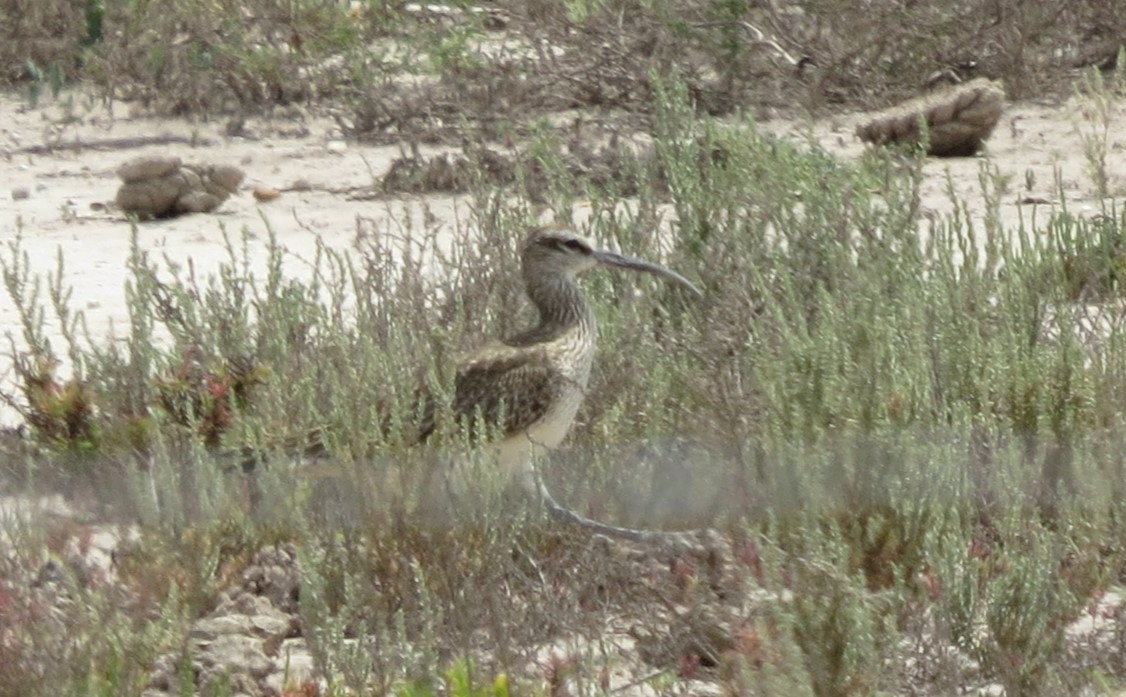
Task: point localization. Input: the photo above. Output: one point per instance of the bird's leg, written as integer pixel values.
(690, 540)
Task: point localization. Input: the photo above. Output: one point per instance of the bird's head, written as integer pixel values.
(562, 252)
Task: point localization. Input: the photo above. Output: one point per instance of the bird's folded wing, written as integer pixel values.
(508, 389)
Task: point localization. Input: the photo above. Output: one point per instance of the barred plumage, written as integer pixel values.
(536, 380)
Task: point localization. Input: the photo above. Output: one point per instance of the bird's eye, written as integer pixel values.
(575, 246)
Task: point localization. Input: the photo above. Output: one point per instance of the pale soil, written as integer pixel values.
(1031, 140)
(66, 188)
(70, 193)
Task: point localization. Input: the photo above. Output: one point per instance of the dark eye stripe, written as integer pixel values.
(576, 246)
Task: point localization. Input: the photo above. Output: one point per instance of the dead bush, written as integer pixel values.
(36, 37)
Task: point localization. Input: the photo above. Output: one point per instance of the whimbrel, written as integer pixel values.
(527, 388)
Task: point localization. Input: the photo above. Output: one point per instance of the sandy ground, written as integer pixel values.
(1034, 147)
(66, 188)
(67, 191)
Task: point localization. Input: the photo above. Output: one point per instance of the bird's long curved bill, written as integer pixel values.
(623, 262)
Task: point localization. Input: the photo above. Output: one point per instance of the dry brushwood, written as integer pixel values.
(958, 120)
(443, 173)
(611, 164)
(161, 187)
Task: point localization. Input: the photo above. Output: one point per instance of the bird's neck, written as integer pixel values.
(560, 302)
(562, 307)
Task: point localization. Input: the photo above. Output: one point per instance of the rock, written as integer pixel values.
(141, 168)
(292, 666)
(273, 575)
(198, 202)
(164, 675)
(237, 653)
(20, 193)
(270, 622)
(222, 179)
(959, 119)
(162, 187)
(211, 628)
(248, 642)
(152, 198)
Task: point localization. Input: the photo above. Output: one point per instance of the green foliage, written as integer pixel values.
(90, 644)
(95, 22)
(846, 633)
(1096, 97)
(1091, 255)
(459, 683)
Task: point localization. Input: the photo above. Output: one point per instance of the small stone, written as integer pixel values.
(211, 628)
(336, 146)
(265, 193)
(239, 653)
(20, 193)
